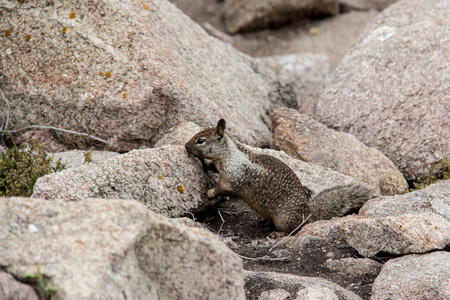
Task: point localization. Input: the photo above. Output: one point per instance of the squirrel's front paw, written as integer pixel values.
(211, 193)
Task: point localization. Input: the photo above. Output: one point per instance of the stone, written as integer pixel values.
(115, 249)
(403, 234)
(76, 158)
(366, 4)
(179, 135)
(305, 71)
(45, 138)
(354, 266)
(127, 72)
(305, 287)
(278, 294)
(302, 137)
(412, 277)
(244, 15)
(11, 289)
(390, 89)
(435, 198)
(164, 179)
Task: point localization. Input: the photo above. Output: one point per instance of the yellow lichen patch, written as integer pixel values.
(160, 177)
(145, 6)
(108, 74)
(72, 15)
(64, 30)
(21, 1)
(180, 189)
(79, 242)
(314, 31)
(100, 73)
(124, 95)
(27, 37)
(8, 32)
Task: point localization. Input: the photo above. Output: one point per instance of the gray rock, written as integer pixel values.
(115, 249)
(304, 138)
(403, 234)
(179, 135)
(354, 266)
(278, 294)
(164, 179)
(11, 289)
(126, 72)
(243, 15)
(2, 149)
(412, 277)
(435, 198)
(367, 4)
(307, 287)
(305, 71)
(76, 158)
(391, 89)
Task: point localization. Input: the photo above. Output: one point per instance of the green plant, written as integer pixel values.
(21, 166)
(87, 157)
(438, 172)
(43, 290)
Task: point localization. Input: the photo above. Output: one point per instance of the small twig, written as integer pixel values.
(223, 221)
(142, 194)
(264, 258)
(58, 129)
(217, 33)
(292, 232)
(189, 213)
(7, 115)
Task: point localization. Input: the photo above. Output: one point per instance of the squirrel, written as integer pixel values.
(267, 184)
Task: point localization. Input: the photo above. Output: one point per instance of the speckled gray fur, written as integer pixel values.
(267, 184)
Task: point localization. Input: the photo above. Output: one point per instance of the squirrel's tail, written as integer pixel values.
(339, 201)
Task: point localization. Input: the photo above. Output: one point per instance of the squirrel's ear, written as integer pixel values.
(221, 125)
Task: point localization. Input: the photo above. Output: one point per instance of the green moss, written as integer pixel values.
(21, 166)
(438, 172)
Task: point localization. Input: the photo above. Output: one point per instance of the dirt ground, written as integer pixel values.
(249, 236)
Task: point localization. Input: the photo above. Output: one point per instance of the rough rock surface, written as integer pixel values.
(127, 72)
(11, 289)
(354, 266)
(400, 233)
(412, 277)
(244, 15)
(435, 198)
(444, 290)
(304, 138)
(299, 287)
(305, 71)
(76, 158)
(115, 249)
(391, 89)
(403, 234)
(179, 135)
(165, 179)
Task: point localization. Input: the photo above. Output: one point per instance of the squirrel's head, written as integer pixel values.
(210, 143)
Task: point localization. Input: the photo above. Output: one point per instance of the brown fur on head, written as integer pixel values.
(209, 143)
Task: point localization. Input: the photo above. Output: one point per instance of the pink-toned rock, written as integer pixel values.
(11, 289)
(354, 266)
(45, 138)
(243, 15)
(126, 72)
(391, 89)
(304, 138)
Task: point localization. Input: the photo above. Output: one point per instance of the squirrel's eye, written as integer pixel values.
(200, 141)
